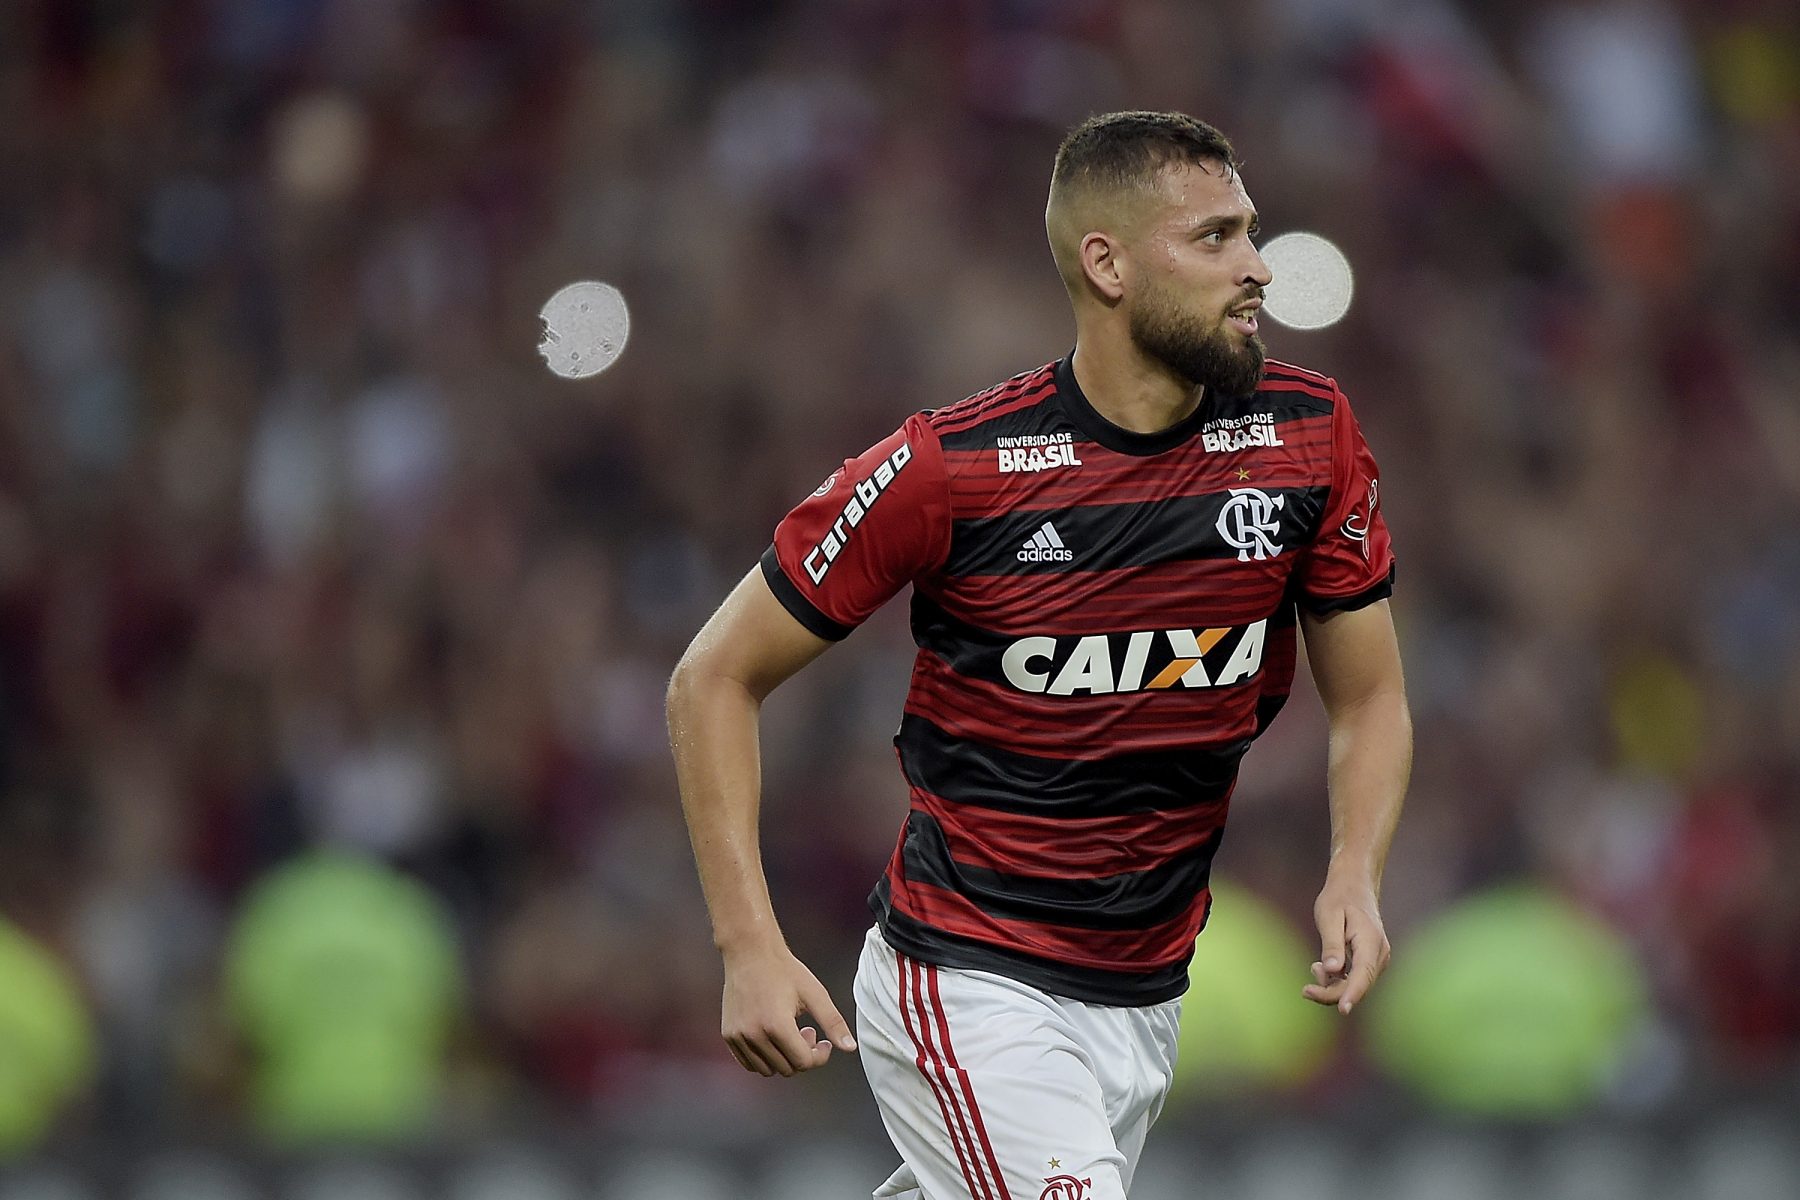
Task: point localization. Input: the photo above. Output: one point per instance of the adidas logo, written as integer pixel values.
(1045, 546)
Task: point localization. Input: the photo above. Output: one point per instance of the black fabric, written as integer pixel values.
(802, 609)
(1110, 537)
(1320, 605)
(967, 772)
(1137, 900)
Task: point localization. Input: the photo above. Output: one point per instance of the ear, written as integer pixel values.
(1103, 264)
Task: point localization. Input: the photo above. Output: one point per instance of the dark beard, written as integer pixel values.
(1203, 360)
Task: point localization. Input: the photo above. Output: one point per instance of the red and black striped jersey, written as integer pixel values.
(1105, 621)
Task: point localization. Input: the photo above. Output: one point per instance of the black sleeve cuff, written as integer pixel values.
(802, 609)
(1320, 605)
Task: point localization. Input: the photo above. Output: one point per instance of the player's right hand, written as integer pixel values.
(765, 993)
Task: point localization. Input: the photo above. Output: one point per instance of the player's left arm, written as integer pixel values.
(1355, 660)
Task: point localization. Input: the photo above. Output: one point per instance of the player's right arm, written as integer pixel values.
(748, 648)
(873, 526)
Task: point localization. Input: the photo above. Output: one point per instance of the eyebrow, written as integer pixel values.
(1222, 221)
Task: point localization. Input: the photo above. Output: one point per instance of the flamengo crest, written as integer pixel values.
(1248, 521)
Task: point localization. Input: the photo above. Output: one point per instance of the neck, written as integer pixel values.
(1131, 391)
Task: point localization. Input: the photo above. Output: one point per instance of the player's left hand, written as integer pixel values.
(1353, 947)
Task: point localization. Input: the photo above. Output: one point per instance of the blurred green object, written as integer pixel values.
(1658, 717)
(1512, 1003)
(46, 1041)
(1244, 1024)
(344, 976)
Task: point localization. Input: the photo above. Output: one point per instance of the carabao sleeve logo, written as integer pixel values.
(862, 498)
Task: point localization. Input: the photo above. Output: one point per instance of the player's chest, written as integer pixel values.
(1242, 500)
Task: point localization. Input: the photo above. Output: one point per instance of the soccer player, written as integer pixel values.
(1111, 556)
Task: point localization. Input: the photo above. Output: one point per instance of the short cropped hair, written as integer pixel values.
(1129, 149)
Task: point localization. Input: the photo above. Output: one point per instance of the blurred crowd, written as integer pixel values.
(302, 547)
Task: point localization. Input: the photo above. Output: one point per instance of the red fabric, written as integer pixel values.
(1105, 950)
(1353, 551)
(850, 546)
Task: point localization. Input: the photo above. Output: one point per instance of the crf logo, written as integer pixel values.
(1248, 521)
(1358, 530)
(1102, 664)
(1065, 1187)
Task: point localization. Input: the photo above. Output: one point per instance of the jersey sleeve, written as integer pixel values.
(879, 522)
(1350, 564)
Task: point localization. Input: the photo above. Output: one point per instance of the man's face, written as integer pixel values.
(1198, 282)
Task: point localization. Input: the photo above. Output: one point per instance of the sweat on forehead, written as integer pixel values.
(1108, 200)
(1078, 206)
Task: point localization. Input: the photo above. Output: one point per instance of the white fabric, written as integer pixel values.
(994, 1090)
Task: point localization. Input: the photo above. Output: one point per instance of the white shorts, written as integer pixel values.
(994, 1090)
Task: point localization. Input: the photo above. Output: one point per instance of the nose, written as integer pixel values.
(1257, 271)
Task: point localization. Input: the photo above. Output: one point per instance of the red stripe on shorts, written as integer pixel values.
(963, 1077)
(945, 1096)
